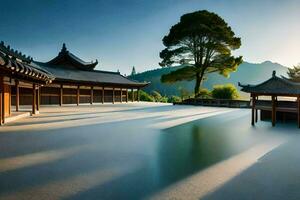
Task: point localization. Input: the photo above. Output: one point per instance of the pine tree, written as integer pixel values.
(133, 72)
(203, 41)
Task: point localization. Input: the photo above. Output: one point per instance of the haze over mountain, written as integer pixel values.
(247, 73)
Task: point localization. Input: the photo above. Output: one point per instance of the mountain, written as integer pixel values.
(247, 73)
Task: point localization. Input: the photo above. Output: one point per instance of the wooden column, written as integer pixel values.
(3, 99)
(121, 95)
(127, 95)
(273, 111)
(92, 95)
(253, 108)
(61, 95)
(138, 94)
(132, 95)
(113, 95)
(298, 99)
(256, 114)
(1, 102)
(38, 99)
(78, 95)
(102, 95)
(9, 99)
(17, 96)
(33, 98)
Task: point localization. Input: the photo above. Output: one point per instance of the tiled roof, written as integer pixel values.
(13, 62)
(66, 67)
(82, 76)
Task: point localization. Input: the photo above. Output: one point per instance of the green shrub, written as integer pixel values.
(164, 100)
(204, 94)
(184, 93)
(227, 91)
(146, 97)
(157, 96)
(174, 99)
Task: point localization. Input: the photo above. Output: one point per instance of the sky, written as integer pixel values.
(126, 33)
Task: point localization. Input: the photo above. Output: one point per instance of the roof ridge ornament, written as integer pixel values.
(274, 73)
(64, 48)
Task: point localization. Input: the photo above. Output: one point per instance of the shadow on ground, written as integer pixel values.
(275, 176)
(123, 160)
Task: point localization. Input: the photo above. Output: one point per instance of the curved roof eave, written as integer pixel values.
(102, 83)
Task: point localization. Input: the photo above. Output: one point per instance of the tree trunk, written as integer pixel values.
(199, 77)
(198, 84)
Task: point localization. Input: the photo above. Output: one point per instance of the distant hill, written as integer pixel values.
(248, 73)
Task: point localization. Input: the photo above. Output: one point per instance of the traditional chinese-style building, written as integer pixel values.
(66, 79)
(275, 109)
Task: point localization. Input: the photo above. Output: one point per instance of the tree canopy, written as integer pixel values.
(294, 73)
(203, 42)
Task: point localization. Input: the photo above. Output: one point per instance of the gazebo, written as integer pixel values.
(274, 87)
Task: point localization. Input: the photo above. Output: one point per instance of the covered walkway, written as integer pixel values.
(66, 79)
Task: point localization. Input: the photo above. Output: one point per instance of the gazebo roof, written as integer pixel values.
(280, 86)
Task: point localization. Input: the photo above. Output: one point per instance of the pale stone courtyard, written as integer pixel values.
(147, 151)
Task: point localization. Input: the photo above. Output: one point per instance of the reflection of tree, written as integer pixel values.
(196, 147)
(192, 147)
(207, 146)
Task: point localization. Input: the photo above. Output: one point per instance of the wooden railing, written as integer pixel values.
(292, 104)
(281, 106)
(216, 103)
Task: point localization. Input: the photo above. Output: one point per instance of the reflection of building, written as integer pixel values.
(275, 109)
(66, 79)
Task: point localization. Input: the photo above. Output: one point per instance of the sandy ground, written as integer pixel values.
(128, 151)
